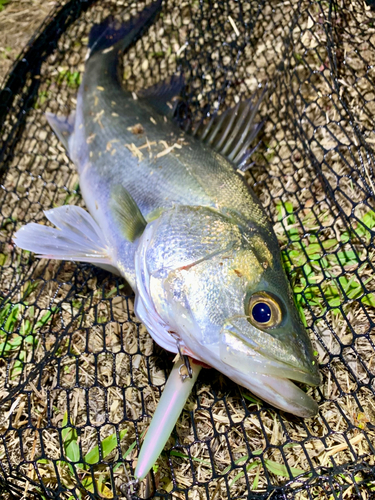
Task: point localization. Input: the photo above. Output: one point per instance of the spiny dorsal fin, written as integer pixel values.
(232, 132)
(164, 95)
(127, 214)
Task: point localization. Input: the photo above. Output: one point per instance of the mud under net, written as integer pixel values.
(80, 377)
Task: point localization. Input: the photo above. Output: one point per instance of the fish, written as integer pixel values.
(171, 212)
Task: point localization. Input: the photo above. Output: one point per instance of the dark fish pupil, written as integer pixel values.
(261, 312)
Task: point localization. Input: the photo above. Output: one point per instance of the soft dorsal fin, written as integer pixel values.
(163, 96)
(63, 126)
(127, 214)
(233, 132)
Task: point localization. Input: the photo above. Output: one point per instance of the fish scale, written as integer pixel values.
(179, 178)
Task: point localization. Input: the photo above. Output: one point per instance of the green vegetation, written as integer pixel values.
(18, 328)
(73, 80)
(5, 50)
(252, 399)
(26, 336)
(73, 455)
(75, 193)
(271, 465)
(3, 3)
(42, 97)
(73, 467)
(313, 265)
(175, 453)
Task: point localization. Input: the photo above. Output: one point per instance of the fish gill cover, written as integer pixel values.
(81, 377)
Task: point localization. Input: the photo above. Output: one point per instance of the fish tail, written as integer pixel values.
(111, 32)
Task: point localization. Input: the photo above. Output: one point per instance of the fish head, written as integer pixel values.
(218, 285)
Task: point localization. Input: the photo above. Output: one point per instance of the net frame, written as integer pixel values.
(306, 56)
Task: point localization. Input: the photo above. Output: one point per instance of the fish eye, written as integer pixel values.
(264, 311)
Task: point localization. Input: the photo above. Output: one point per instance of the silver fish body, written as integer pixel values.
(181, 225)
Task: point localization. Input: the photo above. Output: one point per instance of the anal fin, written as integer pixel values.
(77, 238)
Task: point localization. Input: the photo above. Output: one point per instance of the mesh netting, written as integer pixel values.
(81, 377)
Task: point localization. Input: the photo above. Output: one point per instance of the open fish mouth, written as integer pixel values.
(262, 364)
(270, 378)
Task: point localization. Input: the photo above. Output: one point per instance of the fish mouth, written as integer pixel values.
(285, 395)
(234, 352)
(268, 376)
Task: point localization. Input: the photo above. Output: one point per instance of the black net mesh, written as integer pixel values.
(81, 377)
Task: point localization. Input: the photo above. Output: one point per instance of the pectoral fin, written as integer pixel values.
(127, 214)
(77, 237)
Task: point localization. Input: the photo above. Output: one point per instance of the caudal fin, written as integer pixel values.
(111, 32)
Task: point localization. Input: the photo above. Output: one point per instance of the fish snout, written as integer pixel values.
(251, 351)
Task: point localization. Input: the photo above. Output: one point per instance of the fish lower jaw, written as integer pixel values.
(288, 397)
(278, 391)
